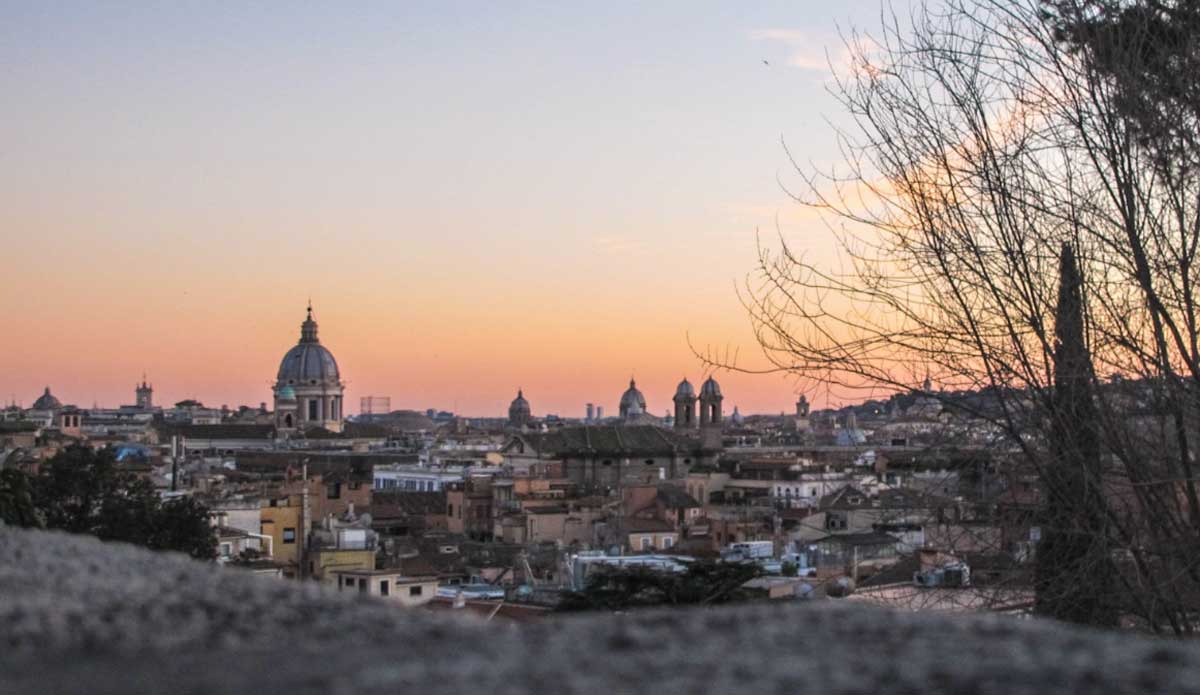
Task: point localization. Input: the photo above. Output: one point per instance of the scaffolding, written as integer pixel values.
(375, 405)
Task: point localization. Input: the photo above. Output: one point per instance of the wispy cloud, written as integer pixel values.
(806, 50)
(767, 214)
(779, 35)
(619, 245)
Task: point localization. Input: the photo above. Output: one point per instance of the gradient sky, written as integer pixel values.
(477, 196)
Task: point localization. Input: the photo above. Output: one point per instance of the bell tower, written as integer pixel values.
(685, 406)
(710, 404)
(145, 395)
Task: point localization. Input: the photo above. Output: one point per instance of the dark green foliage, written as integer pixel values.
(16, 499)
(81, 490)
(789, 569)
(1074, 572)
(1150, 52)
(620, 588)
(182, 525)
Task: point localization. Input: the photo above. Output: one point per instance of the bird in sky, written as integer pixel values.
(766, 63)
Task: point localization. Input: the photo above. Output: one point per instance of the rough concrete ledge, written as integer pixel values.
(81, 616)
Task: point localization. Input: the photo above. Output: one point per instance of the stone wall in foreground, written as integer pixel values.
(80, 616)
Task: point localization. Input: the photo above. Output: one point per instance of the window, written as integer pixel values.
(649, 462)
(667, 542)
(333, 491)
(450, 510)
(226, 550)
(607, 462)
(312, 409)
(647, 543)
(383, 587)
(362, 585)
(289, 535)
(414, 590)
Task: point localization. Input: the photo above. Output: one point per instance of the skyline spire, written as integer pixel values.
(308, 329)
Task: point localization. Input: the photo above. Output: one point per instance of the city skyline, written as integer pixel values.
(351, 321)
(468, 216)
(165, 395)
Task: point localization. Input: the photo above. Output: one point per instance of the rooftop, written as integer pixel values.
(399, 577)
(867, 538)
(612, 440)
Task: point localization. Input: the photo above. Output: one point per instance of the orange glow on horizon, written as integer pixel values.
(180, 180)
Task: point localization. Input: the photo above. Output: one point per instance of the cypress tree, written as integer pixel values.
(1074, 571)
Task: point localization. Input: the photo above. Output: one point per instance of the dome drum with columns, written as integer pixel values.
(309, 388)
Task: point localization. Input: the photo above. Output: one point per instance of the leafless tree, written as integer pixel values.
(983, 141)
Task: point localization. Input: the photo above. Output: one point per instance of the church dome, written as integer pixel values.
(685, 390)
(518, 411)
(710, 388)
(632, 401)
(308, 361)
(47, 402)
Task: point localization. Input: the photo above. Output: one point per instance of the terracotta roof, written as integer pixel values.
(364, 430)
(675, 497)
(613, 440)
(845, 497)
(899, 573)
(866, 538)
(394, 505)
(321, 433)
(217, 431)
(646, 526)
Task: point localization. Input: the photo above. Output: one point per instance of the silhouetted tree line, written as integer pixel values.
(81, 490)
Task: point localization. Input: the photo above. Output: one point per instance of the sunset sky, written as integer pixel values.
(476, 196)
